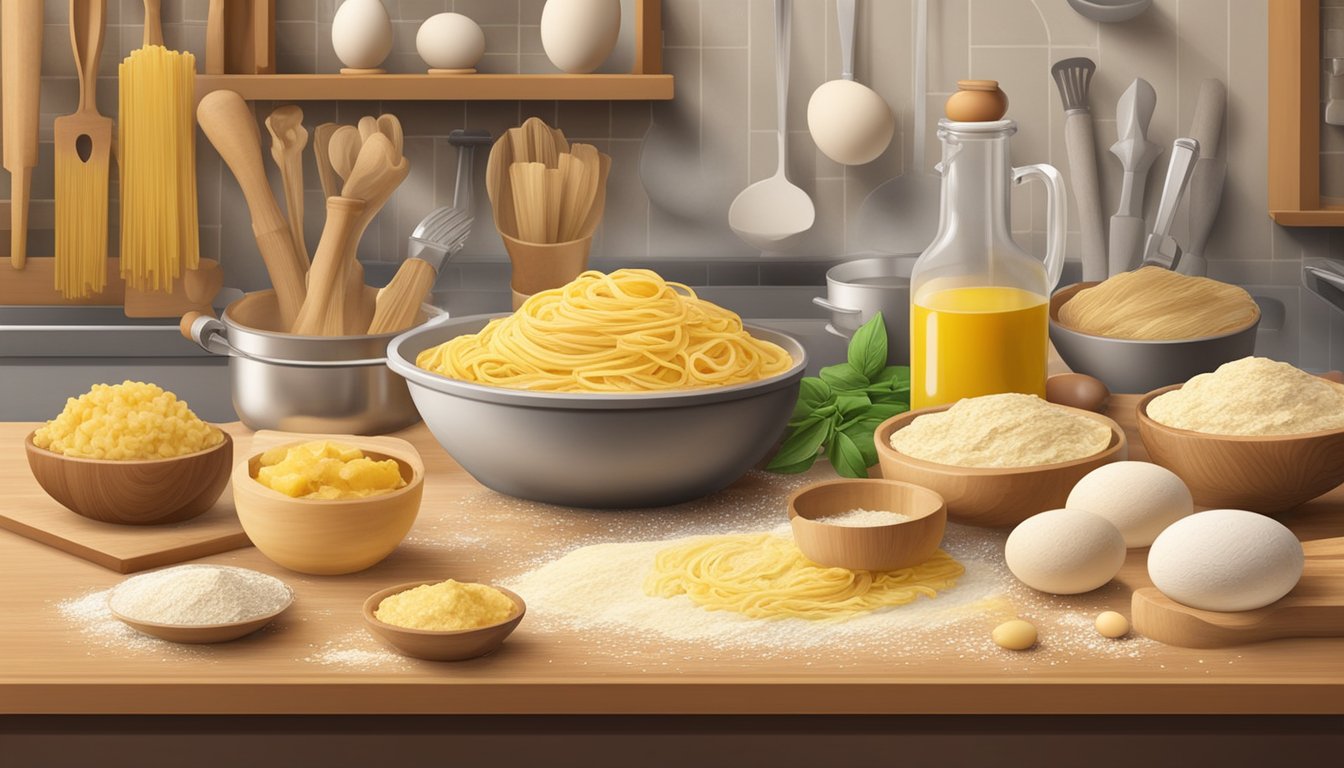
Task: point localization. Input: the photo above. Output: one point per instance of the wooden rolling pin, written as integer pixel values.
(1315, 608)
(21, 31)
(228, 123)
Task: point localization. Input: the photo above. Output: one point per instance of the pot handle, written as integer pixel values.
(831, 329)
(207, 332)
(824, 304)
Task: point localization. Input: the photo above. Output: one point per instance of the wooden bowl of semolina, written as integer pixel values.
(329, 537)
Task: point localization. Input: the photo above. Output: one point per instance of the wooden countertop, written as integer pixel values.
(47, 666)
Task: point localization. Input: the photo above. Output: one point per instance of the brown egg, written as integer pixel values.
(1077, 390)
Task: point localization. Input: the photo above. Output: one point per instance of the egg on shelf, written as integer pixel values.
(361, 35)
(1065, 551)
(1226, 560)
(578, 35)
(450, 43)
(1139, 498)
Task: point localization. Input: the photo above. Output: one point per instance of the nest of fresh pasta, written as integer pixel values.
(1155, 304)
(629, 331)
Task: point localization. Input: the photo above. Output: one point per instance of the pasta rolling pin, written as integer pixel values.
(21, 26)
(227, 122)
(1206, 181)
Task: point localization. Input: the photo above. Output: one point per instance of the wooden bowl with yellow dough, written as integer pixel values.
(328, 537)
(993, 497)
(138, 491)
(1261, 473)
(441, 645)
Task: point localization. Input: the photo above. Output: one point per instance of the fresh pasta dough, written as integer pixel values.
(628, 331)
(1154, 303)
(764, 576)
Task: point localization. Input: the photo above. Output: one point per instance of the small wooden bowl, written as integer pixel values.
(139, 492)
(202, 633)
(448, 645)
(993, 497)
(1266, 474)
(331, 537)
(868, 548)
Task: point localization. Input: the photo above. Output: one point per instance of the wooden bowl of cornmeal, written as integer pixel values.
(441, 644)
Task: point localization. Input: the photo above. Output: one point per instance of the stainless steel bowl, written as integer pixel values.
(857, 290)
(305, 383)
(1136, 366)
(598, 451)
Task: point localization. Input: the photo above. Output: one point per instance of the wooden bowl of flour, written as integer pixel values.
(1266, 474)
(993, 497)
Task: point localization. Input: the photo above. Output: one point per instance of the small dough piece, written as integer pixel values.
(1113, 625)
(1015, 635)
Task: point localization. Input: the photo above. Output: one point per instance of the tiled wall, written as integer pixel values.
(678, 165)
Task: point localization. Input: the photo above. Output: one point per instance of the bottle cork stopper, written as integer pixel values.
(977, 101)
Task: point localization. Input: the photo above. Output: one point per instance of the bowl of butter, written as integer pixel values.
(329, 504)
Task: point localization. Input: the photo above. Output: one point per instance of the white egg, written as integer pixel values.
(1226, 560)
(1065, 551)
(578, 35)
(1140, 498)
(450, 41)
(850, 122)
(361, 33)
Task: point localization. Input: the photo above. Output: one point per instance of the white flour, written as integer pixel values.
(865, 518)
(199, 595)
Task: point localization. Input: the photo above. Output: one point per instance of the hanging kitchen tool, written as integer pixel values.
(1074, 79)
(228, 123)
(900, 216)
(83, 149)
(1161, 249)
(1110, 11)
(21, 27)
(850, 122)
(1206, 181)
(1136, 154)
(288, 139)
(771, 211)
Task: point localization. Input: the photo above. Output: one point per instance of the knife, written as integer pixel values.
(1161, 249)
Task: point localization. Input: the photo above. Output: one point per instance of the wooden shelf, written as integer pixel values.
(401, 87)
(1319, 217)
(1295, 117)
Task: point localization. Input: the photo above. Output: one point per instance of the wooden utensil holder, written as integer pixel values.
(542, 266)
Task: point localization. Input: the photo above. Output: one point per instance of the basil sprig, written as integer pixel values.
(839, 411)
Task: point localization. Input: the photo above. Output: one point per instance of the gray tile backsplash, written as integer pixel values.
(678, 165)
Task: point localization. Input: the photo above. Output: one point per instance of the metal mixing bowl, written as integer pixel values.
(1135, 366)
(337, 384)
(595, 450)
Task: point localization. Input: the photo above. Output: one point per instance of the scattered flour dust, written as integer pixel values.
(94, 621)
(865, 518)
(359, 652)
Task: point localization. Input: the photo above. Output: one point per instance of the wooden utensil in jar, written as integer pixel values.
(288, 139)
(228, 123)
(359, 309)
(326, 174)
(344, 150)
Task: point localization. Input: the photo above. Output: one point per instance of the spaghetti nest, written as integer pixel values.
(629, 331)
(1157, 304)
(764, 576)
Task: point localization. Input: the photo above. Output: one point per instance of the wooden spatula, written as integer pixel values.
(288, 140)
(1315, 608)
(322, 156)
(82, 176)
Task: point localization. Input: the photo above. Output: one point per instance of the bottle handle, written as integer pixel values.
(1055, 218)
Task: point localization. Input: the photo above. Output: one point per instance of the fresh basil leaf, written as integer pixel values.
(814, 392)
(862, 435)
(844, 377)
(868, 348)
(802, 444)
(808, 417)
(894, 373)
(891, 398)
(852, 405)
(846, 458)
(792, 469)
(884, 411)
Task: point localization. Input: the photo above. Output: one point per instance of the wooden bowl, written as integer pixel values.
(993, 497)
(139, 492)
(202, 633)
(448, 645)
(331, 537)
(868, 548)
(1267, 474)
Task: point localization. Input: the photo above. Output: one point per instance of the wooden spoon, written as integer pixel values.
(390, 126)
(375, 190)
(288, 140)
(345, 145)
(323, 312)
(368, 126)
(1315, 608)
(322, 155)
(228, 123)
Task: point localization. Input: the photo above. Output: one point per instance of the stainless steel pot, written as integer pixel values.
(858, 290)
(306, 383)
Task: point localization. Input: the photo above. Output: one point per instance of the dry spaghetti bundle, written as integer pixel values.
(1154, 303)
(157, 132)
(629, 331)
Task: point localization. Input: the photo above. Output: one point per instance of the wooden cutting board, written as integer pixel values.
(27, 511)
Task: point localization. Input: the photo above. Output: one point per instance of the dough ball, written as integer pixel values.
(1015, 635)
(1139, 498)
(1226, 560)
(1065, 551)
(1113, 625)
